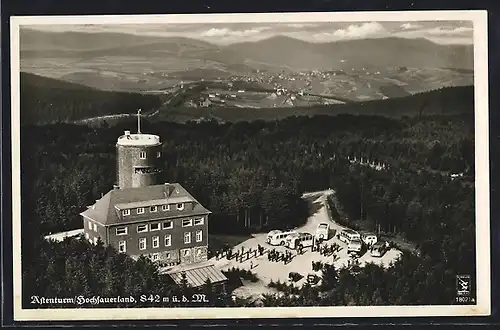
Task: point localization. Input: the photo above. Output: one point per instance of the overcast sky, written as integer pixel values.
(444, 32)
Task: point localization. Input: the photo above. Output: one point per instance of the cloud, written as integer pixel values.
(359, 30)
(225, 32)
(353, 31)
(449, 31)
(410, 26)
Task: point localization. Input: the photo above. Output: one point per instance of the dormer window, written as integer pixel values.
(153, 209)
(180, 206)
(125, 212)
(142, 155)
(140, 210)
(165, 207)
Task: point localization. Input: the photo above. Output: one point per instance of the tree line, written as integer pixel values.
(252, 175)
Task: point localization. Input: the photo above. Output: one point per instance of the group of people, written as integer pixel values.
(328, 250)
(277, 256)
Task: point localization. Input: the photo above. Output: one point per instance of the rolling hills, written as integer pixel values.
(126, 62)
(46, 100)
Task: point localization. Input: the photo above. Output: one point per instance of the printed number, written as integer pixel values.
(150, 298)
(199, 297)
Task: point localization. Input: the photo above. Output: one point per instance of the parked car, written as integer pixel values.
(322, 231)
(278, 237)
(355, 245)
(297, 240)
(378, 249)
(348, 235)
(369, 238)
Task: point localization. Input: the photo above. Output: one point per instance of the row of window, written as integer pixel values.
(142, 154)
(158, 226)
(155, 241)
(184, 252)
(153, 209)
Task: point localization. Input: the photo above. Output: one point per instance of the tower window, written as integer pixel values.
(142, 155)
(158, 154)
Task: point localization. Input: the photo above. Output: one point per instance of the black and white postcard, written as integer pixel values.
(313, 165)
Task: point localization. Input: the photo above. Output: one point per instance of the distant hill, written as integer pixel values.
(445, 101)
(46, 100)
(380, 52)
(276, 52)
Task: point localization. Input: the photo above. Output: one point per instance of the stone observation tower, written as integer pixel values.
(139, 159)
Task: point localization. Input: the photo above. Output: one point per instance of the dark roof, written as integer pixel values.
(197, 276)
(107, 210)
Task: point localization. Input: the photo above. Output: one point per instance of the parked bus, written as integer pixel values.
(355, 245)
(278, 237)
(348, 235)
(378, 249)
(322, 231)
(293, 241)
(369, 238)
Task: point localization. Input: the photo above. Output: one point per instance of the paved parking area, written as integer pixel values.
(302, 264)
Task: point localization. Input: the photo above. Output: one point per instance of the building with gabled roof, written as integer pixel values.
(142, 217)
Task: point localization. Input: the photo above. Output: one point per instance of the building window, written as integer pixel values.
(140, 210)
(126, 212)
(155, 256)
(180, 206)
(95, 227)
(142, 155)
(154, 226)
(122, 246)
(87, 236)
(121, 231)
(95, 240)
(198, 221)
(168, 225)
(156, 242)
(185, 252)
(142, 243)
(165, 207)
(90, 225)
(187, 222)
(153, 209)
(168, 240)
(158, 154)
(167, 255)
(187, 238)
(199, 236)
(142, 228)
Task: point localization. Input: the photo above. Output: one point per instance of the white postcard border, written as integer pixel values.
(483, 307)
